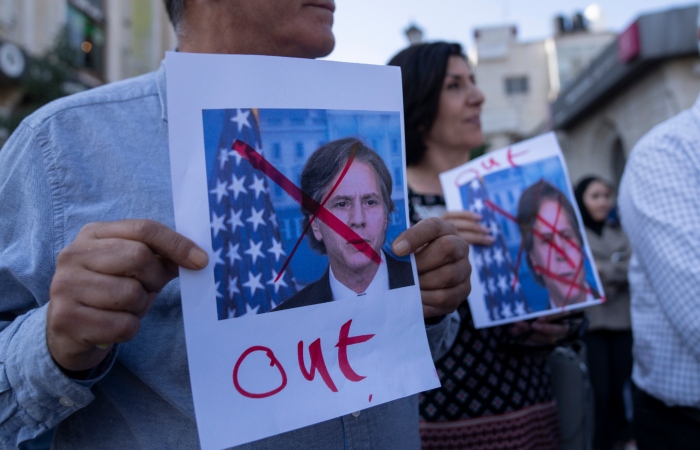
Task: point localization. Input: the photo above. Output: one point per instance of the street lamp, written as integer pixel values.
(414, 34)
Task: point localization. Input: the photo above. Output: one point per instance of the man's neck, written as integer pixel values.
(356, 281)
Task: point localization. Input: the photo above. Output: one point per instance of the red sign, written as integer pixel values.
(628, 46)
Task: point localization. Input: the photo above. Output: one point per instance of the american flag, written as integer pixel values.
(248, 250)
(497, 273)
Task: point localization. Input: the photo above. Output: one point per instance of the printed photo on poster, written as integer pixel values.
(275, 177)
(540, 262)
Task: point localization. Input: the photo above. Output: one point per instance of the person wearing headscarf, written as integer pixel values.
(609, 336)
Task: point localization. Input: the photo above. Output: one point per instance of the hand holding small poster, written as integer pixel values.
(540, 262)
(291, 174)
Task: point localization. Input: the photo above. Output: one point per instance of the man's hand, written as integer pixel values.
(469, 228)
(442, 262)
(106, 280)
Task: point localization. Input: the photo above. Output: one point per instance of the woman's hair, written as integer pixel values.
(529, 209)
(579, 191)
(326, 163)
(423, 71)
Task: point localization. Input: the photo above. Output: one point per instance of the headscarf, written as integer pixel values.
(588, 221)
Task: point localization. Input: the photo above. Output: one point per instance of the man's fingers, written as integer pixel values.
(443, 301)
(477, 238)
(161, 239)
(445, 251)
(462, 215)
(421, 234)
(125, 258)
(445, 276)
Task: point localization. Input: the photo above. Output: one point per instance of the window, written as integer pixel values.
(517, 85)
(398, 174)
(395, 147)
(86, 34)
(300, 150)
(276, 150)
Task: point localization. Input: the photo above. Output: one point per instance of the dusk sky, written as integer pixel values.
(371, 31)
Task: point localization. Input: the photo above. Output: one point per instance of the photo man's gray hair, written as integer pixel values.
(327, 162)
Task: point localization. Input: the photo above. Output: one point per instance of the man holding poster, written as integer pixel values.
(86, 222)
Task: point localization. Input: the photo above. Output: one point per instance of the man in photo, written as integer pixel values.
(553, 245)
(362, 200)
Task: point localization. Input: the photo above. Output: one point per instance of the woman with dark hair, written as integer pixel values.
(609, 337)
(494, 396)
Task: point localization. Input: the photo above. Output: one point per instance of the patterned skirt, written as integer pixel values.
(534, 427)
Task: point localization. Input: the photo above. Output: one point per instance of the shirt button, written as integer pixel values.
(356, 414)
(65, 401)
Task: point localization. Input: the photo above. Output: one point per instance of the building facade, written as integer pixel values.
(520, 79)
(650, 73)
(112, 40)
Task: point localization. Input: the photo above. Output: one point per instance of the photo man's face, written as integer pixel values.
(358, 202)
(557, 255)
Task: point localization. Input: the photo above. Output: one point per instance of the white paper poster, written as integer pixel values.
(290, 173)
(540, 263)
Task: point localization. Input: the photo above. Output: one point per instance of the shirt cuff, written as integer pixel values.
(442, 335)
(42, 390)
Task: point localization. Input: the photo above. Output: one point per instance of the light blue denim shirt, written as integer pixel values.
(102, 155)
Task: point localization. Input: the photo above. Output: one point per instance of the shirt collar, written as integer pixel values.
(162, 91)
(379, 284)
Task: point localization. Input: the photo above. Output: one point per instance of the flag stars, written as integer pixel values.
(235, 220)
(241, 119)
(506, 311)
(514, 283)
(487, 257)
(478, 205)
(491, 286)
(493, 228)
(249, 309)
(502, 284)
(233, 254)
(220, 190)
(520, 309)
(236, 155)
(218, 260)
(276, 250)
(254, 250)
(258, 186)
(237, 186)
(256, 217)
(217, 224)
(478, 260)
(233, 286)
(498, 256)
(253, 283)
(279, 283)
(223, 157)
(475, 185)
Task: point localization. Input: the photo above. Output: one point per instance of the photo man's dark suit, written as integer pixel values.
(400, 275)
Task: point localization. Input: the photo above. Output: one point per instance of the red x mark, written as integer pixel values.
(317, 210)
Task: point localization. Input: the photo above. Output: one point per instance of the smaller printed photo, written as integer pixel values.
(540, 262)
